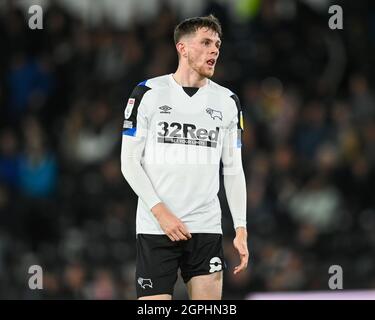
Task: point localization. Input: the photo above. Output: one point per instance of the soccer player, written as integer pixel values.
(177, 129)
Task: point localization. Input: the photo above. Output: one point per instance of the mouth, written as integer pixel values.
(211, 62)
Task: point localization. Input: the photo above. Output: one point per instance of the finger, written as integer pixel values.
(180, 235)
(175, 236)
(184, 231)
(171, 236)
(239, 268)
(243, 264)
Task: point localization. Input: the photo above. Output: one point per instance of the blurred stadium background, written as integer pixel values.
(309, 143)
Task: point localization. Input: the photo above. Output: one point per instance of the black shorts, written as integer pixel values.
(159, 258)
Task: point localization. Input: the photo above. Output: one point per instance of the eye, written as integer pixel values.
(206, 42)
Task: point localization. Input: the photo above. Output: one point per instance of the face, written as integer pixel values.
(202, 51)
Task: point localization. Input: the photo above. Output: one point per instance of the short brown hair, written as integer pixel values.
(191, 25)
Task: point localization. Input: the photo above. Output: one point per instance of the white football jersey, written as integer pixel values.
(183, 136)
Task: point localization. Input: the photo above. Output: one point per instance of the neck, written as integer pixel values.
(186, 77)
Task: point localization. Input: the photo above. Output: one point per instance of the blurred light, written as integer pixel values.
(272, 87)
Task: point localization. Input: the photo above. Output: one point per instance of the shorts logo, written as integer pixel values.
(214, 113)
(144, 282)
(129, 108)
(215, 264)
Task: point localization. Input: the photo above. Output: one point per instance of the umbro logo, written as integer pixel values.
(165, 109)
(214, 114)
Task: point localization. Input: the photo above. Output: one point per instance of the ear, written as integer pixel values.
(181, 49)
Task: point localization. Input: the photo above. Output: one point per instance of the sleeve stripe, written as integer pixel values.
(137, 94)
(129, 132)
(239, 120)
(239, 111)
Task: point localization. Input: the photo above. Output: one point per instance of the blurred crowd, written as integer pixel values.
(308, 150)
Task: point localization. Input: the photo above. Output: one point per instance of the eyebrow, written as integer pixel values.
(208, 39)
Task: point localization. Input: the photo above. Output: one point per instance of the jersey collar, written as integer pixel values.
(180, 88)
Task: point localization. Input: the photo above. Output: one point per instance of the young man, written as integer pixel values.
(177, 129)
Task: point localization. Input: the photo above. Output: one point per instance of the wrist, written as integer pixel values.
(157, 210)
(241, 231)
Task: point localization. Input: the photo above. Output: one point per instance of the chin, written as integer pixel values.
(207, 74)
(210, 74)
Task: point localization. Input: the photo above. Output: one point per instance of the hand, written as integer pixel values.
(171, 225)
(240, 243)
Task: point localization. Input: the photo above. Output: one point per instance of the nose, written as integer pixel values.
(215, 51)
